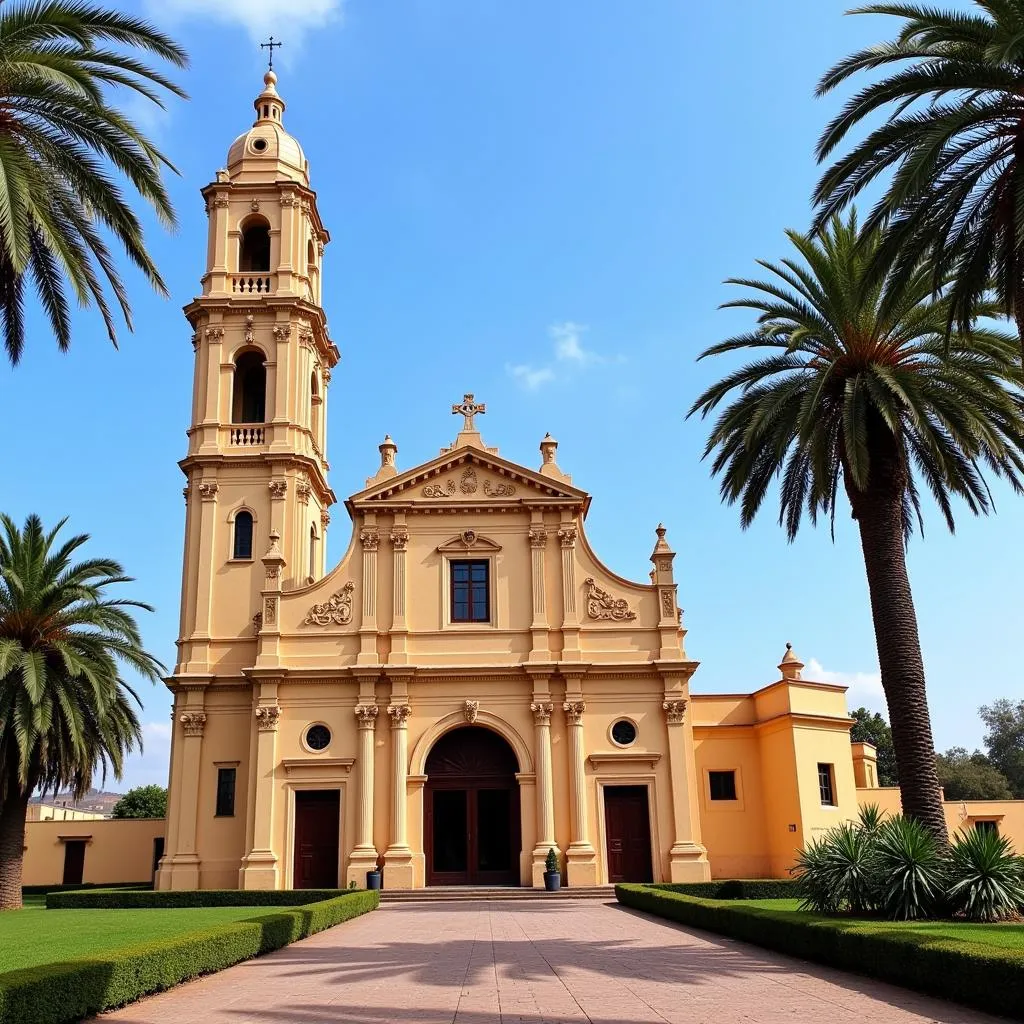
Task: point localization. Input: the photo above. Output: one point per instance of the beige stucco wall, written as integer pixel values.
(117, 850)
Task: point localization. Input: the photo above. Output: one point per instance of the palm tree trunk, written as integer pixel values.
(12, 850)
(1018, 313)
(879, 514)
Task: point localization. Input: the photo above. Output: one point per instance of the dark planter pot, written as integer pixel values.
(373, 879)
(552, 881)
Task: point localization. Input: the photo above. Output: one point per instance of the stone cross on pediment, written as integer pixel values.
(468, 409)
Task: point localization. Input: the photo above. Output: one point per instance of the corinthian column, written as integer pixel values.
(582, 860)
(364, 855)
(259, 867)
(688, 860)
(545, 788)
(398, 856)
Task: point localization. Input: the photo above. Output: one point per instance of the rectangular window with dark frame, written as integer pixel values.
(471, 592)
(986, 826)
(722, 785)
(226, 792)
(826, 785)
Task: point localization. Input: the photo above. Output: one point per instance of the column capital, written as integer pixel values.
(267, 716)
(538, 537)
(542, 712)
(567, 536)
(193, 722)
(369, 537)
(366, 714)
(675, 711)
(399, 537)
(399, 715)
(574, 711)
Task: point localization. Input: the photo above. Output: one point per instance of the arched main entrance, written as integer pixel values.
(471, 806)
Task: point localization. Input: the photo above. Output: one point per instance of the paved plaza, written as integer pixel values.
(530, 962)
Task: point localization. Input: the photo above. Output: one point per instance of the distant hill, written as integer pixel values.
(97, 800)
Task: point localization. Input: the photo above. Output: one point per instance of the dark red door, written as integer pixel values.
(317, 813)
(74, 861)
(628, 828)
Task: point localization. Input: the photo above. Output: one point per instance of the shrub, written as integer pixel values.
(989, 978)
(122, 899)
(551, 861)
(870, 817)
(908, 870)
(837, 871)
(734, 888)
(63, 992)
(986, 875)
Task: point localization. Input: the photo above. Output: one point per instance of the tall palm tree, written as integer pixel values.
(951, 88)
(62, 145)
(65, 711)
(852, 388)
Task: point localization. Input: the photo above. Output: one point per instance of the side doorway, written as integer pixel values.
(317, 831)
(627, 824)
(74, 861)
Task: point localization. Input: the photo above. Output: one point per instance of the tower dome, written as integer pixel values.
(266, 144)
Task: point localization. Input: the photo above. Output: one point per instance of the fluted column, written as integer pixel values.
(570, 617)
(364, 854)
(545, 788)
(370, 539)
(399, 630)
(540, 647)
(181, 869)
(398, 856)
(580, 857)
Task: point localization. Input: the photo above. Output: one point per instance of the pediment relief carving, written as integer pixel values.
(469, 542)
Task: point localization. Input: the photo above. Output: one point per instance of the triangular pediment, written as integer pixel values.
(468, 476)
(469, 542)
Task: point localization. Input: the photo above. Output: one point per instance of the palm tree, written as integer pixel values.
(65, 711)
(952, 94)
(848, 394)
(60, 139)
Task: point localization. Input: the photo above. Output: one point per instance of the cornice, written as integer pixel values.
(623, 757)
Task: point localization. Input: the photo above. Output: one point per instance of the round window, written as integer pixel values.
(318, 737)
(624, 732)
(259, 145)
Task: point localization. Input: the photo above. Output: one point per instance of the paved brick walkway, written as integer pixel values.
(529, 963)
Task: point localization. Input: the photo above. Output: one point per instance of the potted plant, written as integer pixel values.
(552, 876)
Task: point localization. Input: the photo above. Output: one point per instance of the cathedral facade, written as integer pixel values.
(471, 687)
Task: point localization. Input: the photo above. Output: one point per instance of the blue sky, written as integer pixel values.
(536, 202)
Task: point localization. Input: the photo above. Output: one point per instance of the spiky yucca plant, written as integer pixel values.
(988, 878)
(836, 872)
(65, 710)
(909, 870)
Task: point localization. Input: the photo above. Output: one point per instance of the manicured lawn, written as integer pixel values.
(38, 936)
(1007, 936)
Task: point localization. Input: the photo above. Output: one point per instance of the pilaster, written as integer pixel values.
(182, 866)
(540, 649)
(369, 537)
(399, 537)
(259, 866)
(398, 865)
(581, 858)
(542, 707)
(364, 855)
(570, 617)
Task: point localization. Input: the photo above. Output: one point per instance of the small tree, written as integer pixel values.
(873, 728)
(142, 802)
(1004, 739)
(966, 776)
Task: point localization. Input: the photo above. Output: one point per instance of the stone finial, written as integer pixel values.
(790, 665)
(274, 562)
(388, 450)
(548, 465)
(662, 556)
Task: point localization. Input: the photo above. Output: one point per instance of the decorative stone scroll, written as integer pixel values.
(574, 711)
(267, 716)
(193, 722)
(499, 490)
(439, 490)
(399, 714)
(468, 484)
(337, 609)
(470, 709)
(675, 711)
(601, 604)
(668, 605)
(366, 715)
(542, 712)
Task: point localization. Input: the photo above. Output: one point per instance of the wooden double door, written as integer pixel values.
(627, 824)
(472, 830)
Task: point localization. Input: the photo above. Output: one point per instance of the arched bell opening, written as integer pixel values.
(472, 833)
(249, 398)
(254, 246)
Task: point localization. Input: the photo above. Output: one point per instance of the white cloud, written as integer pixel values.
(569, 356)
(863, 688)
(259, 18)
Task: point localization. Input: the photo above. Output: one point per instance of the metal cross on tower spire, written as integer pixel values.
(271, 45)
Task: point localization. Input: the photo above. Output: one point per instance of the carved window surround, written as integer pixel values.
(470, 544)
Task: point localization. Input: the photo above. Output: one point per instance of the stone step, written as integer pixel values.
(463, 894)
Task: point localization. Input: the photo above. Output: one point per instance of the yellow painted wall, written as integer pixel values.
(117, 850)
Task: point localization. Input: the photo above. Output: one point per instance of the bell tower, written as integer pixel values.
(257, 459)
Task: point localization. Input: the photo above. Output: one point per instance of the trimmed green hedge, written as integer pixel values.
(127, 899)
(68, 991)
(988, 978)
(39, 890)
(735, 889)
